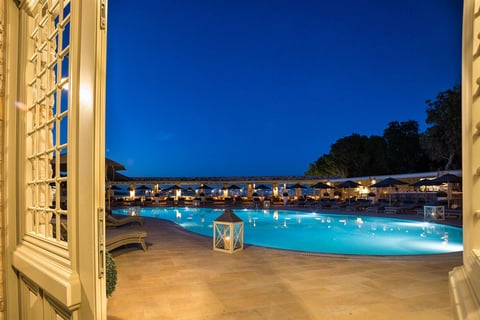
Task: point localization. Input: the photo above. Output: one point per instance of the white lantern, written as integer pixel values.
(228, 232)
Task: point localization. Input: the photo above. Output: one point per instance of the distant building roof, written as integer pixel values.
(308, 180)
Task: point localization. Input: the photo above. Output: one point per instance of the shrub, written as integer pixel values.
(111, 274)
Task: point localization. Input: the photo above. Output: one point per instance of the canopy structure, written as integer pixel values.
(449, 179)
(204, 187)
(174, 187)
(422, 182)
(111, 168)
(321, 185)
(189, 190)
(446, 178)
(298, 187)
(232, 187)
(388, 183)
(349, 184)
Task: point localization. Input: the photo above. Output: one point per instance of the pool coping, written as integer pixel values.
(443, 256)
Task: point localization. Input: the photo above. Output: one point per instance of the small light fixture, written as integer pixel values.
(228, 232)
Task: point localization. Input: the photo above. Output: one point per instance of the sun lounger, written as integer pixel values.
(309, 203)
(121, 237)
(376, 208)
(238, 201)
(117, 222)
(337, 205)
(323, 203)
(299, 203)
(393, 210)
(453, 212)
(358, 205)
(411, 207)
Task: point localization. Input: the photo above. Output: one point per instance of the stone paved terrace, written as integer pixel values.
(181, 277)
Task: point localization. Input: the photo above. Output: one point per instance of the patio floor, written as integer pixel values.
(181, 277)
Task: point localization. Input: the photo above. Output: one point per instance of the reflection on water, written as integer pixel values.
(323, 233)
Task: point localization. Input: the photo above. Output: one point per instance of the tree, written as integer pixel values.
(350, 154)
(377, 151)
(404, 153)
(443, 140)
(324, 166)
(402, 148)
(355, 155)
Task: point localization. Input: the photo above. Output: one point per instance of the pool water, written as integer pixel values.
(322, 233)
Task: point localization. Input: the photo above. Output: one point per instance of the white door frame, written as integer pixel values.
(48, 275)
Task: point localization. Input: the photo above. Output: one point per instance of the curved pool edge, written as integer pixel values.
(299, 251)
(248, 246)
(454, 256)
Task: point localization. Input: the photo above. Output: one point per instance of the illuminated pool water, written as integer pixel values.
(322, 233)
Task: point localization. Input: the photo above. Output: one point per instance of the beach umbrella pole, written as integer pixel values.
(389, 195)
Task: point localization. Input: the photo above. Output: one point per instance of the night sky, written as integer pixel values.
(261, 88)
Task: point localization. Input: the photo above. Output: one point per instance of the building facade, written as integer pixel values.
(465, 279)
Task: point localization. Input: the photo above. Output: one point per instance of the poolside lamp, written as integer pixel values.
(228, 232)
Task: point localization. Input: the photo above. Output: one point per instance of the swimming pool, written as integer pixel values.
(322, 233)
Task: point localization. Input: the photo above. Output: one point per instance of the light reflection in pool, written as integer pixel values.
(323, 233)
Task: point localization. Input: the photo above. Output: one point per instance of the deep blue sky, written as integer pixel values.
(254, 87)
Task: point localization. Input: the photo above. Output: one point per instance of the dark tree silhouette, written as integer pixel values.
(442, 141)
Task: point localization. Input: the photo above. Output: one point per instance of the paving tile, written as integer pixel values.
(181, 277)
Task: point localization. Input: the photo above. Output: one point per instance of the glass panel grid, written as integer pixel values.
(46, 121)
